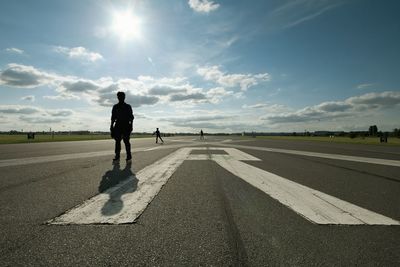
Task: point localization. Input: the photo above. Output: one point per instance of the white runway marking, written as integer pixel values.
(387, 162)
(182, 140)
(312, 204)
(53, 158)
(118, 204)
(152, 148)
(121, 204)
(43, 159)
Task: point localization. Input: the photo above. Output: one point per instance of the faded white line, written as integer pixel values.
(118, 204)
(151, 148)
(181, 140)
(387, 162)
(53, 158)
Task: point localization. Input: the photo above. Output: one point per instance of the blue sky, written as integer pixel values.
(186, 65)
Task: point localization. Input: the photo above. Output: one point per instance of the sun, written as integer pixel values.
(126, 25)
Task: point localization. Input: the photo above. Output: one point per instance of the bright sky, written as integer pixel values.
(220, 65)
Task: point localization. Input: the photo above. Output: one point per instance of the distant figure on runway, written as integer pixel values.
(158, 135)
(121, 126)
(201, 135)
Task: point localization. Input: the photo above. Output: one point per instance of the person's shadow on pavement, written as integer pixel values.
(107, 185)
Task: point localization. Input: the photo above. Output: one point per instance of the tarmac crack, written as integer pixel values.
(235, 240)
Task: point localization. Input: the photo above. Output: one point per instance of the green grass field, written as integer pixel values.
(357, 140)
(22, 138)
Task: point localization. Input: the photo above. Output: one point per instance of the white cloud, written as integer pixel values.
(353, 106)
(78, 85)
(79, 53)
(244, 81)
(40, 120)
(145, 90)
(23, 76)
(34, 117)
(203, 6)
(14, 50)
(267, 107)
(190, 96)
(62, 96)
(166, 90)
(213, 121)
(18, 109)
(23, 109)
(216, 94)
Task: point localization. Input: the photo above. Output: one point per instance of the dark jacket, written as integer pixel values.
(122, 115)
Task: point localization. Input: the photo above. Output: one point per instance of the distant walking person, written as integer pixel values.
(158, 135)
(121, 126)
(201, 135)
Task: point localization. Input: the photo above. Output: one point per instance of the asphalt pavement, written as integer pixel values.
(222, 201)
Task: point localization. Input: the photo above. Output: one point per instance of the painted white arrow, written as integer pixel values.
(120, 205)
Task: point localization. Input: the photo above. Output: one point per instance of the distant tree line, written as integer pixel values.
(371, 132)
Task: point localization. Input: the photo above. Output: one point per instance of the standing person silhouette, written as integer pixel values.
(201, 134)
(158, 135)
(121, 126)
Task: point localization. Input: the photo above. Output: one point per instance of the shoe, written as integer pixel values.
(129, 159)
(116, 159)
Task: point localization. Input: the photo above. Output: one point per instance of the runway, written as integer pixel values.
(220, 201)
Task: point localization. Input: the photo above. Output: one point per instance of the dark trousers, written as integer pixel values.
(125, 137)
(159, 136)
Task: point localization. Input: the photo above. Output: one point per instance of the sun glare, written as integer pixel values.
(126, 25)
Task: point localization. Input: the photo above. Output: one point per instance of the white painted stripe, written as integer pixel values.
(314, 205)
(387, 162)
(226, 140)
(53, 158)
(181, 140)
(232, 153)
(152, 148)
(118, 205)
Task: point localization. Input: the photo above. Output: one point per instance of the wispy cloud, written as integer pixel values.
(364, 85)
(14, 50)
(203, 6)
(311, 16)
(295, 12)
(79, 53)
(150, 60)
